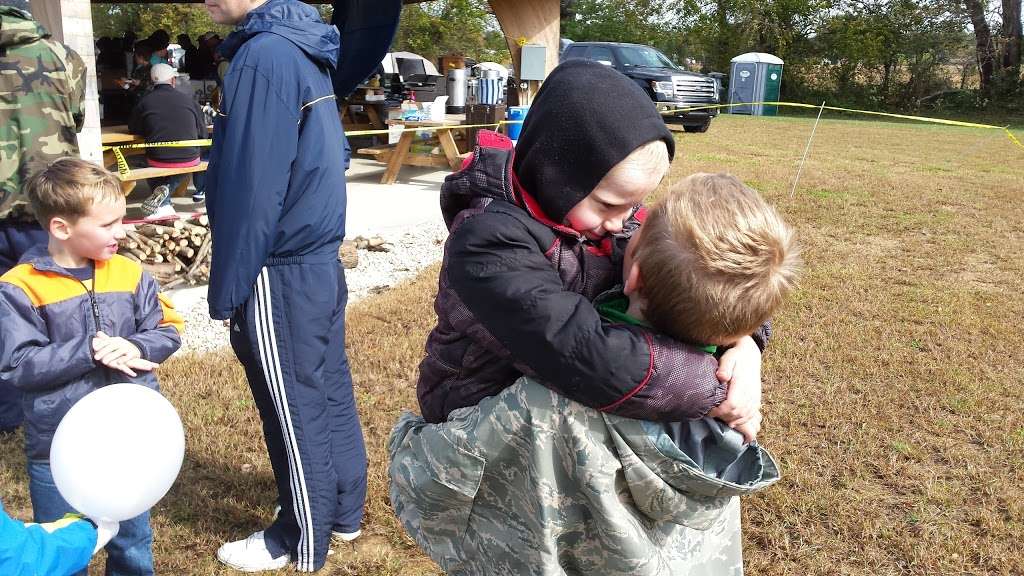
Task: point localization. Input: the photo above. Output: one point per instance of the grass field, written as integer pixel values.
(893, 389)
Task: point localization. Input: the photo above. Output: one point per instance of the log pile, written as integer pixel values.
(175, 253)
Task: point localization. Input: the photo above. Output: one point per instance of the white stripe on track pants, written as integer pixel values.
(290, 337)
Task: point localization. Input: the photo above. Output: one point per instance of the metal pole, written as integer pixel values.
(806, 150)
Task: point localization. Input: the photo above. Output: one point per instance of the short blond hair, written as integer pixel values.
(651, 157)
(68, 187)
(715, 260)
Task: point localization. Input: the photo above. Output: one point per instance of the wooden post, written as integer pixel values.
(532, 22)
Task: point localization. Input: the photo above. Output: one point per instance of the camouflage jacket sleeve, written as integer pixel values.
(76, 82)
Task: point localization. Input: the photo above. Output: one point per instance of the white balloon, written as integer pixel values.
(117, 451)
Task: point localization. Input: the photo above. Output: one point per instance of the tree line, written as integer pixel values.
(882, 54)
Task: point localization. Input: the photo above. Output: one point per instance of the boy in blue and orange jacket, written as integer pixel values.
(74, 317)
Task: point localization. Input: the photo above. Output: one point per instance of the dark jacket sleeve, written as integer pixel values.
(762, 335)
(497, 269)
(260, 140)
(77, 74)
(28, 361)
(135, 124)
(158, 325)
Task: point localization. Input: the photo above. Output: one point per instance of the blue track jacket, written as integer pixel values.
(55, 549)
(276, 179)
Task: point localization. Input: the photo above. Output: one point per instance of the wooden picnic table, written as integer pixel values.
(114, 135)
(400, 154)
(372, 110)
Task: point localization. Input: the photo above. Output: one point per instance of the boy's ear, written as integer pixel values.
(60, 228)
(634, 281)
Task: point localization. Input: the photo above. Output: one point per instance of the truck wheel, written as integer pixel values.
(698, 128)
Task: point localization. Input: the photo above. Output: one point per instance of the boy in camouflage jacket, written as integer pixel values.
(530, 482)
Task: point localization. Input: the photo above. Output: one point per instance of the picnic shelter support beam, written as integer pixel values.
(530, 22)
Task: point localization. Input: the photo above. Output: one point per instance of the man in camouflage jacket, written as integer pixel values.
(529, 482)
(42, 88)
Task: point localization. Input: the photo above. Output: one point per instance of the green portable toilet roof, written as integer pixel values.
(758, 57)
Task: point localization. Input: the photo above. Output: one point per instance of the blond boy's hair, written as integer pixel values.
(715, 260)
(649, 158)
(68, 188)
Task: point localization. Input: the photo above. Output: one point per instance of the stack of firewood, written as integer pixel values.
(174, 253)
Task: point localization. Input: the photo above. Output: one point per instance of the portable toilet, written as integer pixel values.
(755, 77)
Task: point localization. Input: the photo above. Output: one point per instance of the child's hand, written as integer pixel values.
(750, 428)
(119, 354)
(740, 368)
(105, 532)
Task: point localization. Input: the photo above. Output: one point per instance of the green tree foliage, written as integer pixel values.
(651, 22)
(465, 27)
(114, 19)
(897, 54)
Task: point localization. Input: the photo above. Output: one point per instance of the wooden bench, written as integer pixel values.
(135, 174)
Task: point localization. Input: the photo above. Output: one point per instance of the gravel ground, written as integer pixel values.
(410, 251)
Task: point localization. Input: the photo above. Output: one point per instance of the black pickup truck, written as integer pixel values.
(668, 85)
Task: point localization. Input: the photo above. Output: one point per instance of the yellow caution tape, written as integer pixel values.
(123, 170)
(943, 121)
(122, 165)
(431, 128)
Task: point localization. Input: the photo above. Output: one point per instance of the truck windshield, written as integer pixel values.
(642, 56)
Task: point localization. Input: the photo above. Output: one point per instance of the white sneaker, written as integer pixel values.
(251, 555)
(155, 200)
(162, 212)
(346, 536)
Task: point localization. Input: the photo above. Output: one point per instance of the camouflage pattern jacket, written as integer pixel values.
(531, 483)
(514, 298)
(42, 90)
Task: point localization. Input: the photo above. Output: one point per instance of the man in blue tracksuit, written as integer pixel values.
(276, 200)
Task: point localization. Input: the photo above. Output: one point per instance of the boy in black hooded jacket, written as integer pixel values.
(536, 234)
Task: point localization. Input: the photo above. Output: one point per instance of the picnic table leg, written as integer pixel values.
(371, 113)
(451, 151)
(182, 186)
(397, 157)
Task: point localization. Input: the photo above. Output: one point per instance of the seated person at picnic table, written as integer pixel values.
(167, 114)
(536, 235)
(530, 482)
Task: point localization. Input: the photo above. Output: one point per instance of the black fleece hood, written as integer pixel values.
(586, 118)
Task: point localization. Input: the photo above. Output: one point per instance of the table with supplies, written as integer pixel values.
(402, 153)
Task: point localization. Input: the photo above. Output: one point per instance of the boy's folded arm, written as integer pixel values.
(681, 384)
(496, 268)
(158, 325)
(28, 360)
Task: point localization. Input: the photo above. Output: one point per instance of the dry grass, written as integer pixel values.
(893, 388)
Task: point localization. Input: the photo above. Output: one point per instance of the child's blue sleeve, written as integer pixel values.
(55, 549)
(158, 325)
